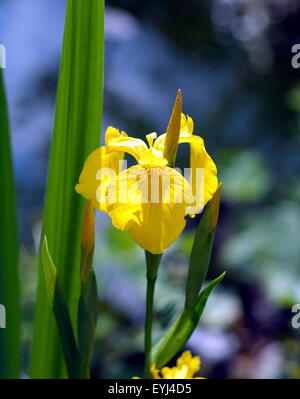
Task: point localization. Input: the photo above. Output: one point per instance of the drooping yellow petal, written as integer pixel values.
(123, 197)
(151, 204)
(159, 226)
(203, 177)
(98, 169)
(201, 161)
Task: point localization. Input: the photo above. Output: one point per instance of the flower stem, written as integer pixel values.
(152, 262)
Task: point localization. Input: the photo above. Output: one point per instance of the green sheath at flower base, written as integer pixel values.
(173, 132)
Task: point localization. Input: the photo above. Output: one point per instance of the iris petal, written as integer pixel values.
(153, 205)
(203, 179)
(92, 185)
(203, 176)
(131, 145)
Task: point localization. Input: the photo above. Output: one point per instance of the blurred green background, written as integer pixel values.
(232, 61)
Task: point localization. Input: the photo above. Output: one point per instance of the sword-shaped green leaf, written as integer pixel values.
(9, 248)
(76, 134)
(179, 333)
(59, 307)
(201, 251)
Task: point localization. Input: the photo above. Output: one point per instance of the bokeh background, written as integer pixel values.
(232, 61)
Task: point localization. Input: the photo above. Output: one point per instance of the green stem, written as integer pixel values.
(152, 262)
(148, 326)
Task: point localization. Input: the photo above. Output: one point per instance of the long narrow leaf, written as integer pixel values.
(9, 283)
(76, 133)
(182, 329)
(62, 316)
(201, 252)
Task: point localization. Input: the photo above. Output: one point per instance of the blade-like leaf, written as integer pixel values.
(87, 318)
(76, 133)
(182, 329)
(62, 316)
(203, 297)
(9, 282)
(201, 251)
(50, 272)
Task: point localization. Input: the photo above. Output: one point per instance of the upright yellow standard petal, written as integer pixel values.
(187, 125)
(131, 145)
(201, 161)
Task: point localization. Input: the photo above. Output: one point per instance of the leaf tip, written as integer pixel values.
(173, 131)
(50, 272)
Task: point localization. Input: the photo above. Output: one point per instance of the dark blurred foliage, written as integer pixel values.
(232, 60)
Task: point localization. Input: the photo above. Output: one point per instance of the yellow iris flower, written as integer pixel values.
(150, 200)
(186, 367)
